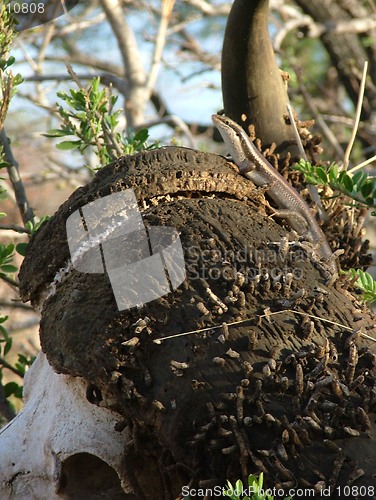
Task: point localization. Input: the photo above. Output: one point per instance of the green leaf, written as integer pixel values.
(17, 80)
(65, 145)
(365, 283)
(359, 179)
(347, 182)
(8, 345)
(55, 132)
(24, 362)
(34, 226)
(21, 248)
(239, 485)
(322, 175)
(142, 135)
(261, 480)
(9, 268)
(11, 388)
(367, 188)
(333, 172)
(6, 250)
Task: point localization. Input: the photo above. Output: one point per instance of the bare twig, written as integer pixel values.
(16, 305)
(80, 25)
(167, 7)
(14, 227)
(175, 121)
(318, 118)
(24, 207)
(363, 164)
(106, 78)
(208, 9)
(315, 30)
(260, 316)
(131, 57)
(87, 60)
(5, 364)
(313, 192)
(48, 35)
(296, 133)
(24, 325)
(358, 112)
(13, 283)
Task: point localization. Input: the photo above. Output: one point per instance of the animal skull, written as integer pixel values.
(60, 445)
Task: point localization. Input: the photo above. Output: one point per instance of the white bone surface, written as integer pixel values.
(57, 422)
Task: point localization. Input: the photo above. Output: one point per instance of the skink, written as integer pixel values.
(291, 206)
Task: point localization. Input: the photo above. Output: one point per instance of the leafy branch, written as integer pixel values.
(8, 87)
(364, 282)
(10, 389)
(8, 81)
(360, 186)
(91, 120)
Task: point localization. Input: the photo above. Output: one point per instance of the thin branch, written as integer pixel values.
(260, 316)
(296, 133)
(175, 121)
(207, 9)
(109, 136)
(167, 7)
(357, 117)
(80, 26)
(16, 305)
(13, 283)
(49, 33)
(24, 207)
(106, 78)
(87, 60)
(363, 164)
(14, 227)
(314, 29)
(25, 325)
(318, 118)
(131, 57)
(45, 77)
(5, 364)
(313, 192)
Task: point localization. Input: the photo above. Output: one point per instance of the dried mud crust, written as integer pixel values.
(285, 394)
(165, 171)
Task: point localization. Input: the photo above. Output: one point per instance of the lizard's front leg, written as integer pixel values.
(295, 220)
(246, 166)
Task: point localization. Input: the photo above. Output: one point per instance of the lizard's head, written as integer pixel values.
(233, 135)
